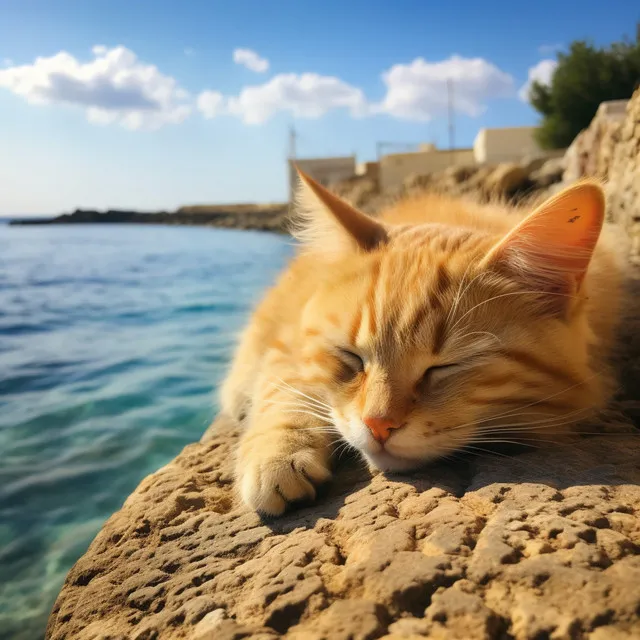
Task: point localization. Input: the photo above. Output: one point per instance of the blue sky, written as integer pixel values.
(151, 105)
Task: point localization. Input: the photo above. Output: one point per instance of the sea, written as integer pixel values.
(113, 340)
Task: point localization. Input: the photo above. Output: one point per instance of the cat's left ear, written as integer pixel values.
(552, 247)
(326, 223)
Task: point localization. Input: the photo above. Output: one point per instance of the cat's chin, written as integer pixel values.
(384, 461)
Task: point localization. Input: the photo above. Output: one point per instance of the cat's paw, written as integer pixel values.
(268, 483)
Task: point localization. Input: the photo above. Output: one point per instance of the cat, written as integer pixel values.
(439, 324)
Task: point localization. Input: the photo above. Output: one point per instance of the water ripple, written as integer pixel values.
(111, 342)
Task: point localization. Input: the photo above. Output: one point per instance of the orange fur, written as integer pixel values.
(520, 309)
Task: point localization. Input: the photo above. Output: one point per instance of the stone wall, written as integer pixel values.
(610, 150)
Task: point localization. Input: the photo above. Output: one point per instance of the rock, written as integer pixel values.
(624, 172)
(533, 163)
(416, 181)
(609, 149)
(540, 544)
(476, 183)
(591, 152)
(358, 190)
(505, 179)
(550, 172)
(458, 173)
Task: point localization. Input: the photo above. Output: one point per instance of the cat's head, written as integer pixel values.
(427, 339)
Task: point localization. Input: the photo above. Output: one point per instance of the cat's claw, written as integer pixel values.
(269, 484)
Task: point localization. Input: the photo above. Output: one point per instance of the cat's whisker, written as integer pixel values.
(478, 333)
(471, 448)
(567, 418)
(295, 400)
(504, 295)
(326, 426)
(490, 422)
(537, 402)
(488, 453)
(301, 393)
(343, 448)
(520, 441)
(460, 294)
(526, 429)
(299, 405)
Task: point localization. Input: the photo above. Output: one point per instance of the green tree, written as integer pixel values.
(584, 77)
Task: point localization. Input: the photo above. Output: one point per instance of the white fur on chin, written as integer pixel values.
(386, 462)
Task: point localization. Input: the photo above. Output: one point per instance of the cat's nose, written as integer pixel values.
(380, 427)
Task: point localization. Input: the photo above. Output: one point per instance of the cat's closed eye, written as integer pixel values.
(437, 373)
(352, 360)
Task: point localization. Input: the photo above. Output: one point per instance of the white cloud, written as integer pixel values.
(418, 90)
(542, 73)
(114, 87)
(307, 95)
(7, 62)
(211, 104)
(251, 60)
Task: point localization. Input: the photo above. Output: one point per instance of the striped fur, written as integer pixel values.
(527, 360)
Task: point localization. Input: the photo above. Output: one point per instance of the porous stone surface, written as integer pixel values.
(539, 545)
(609, 149)
(542, 544)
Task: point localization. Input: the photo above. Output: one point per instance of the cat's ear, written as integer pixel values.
(326, 223)
(552, 247)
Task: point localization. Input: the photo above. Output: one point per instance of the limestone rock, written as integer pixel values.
(624, 172)
(550, 172)
(506, 178)
(358, 190)
(542, 544)
(590, 154)
(609, 149)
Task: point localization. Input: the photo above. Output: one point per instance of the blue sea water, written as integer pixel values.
(112, 341)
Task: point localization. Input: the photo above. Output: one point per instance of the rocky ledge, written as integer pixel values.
(539, 545)
(542, 544)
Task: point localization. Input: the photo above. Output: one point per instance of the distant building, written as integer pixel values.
(509, 144)
(491, 146)
(326, 171)
(396, 167)
(369, 170)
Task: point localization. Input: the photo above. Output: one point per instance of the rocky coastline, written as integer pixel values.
(259, 217)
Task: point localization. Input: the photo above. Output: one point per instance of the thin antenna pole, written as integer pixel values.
(450, 109)
(292, 142)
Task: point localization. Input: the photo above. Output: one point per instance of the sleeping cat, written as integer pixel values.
(439, 324)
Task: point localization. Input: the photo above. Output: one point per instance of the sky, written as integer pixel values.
(152, 105)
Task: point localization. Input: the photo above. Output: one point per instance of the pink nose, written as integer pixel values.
(380, 427)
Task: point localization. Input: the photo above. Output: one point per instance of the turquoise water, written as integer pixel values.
(112, 340)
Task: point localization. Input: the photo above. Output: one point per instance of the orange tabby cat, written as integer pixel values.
(409, 336)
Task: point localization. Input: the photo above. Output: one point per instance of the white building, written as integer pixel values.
(509, 144)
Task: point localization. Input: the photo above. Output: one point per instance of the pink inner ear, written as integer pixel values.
(559, 237)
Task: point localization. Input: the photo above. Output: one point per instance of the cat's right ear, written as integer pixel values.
(326, 223)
